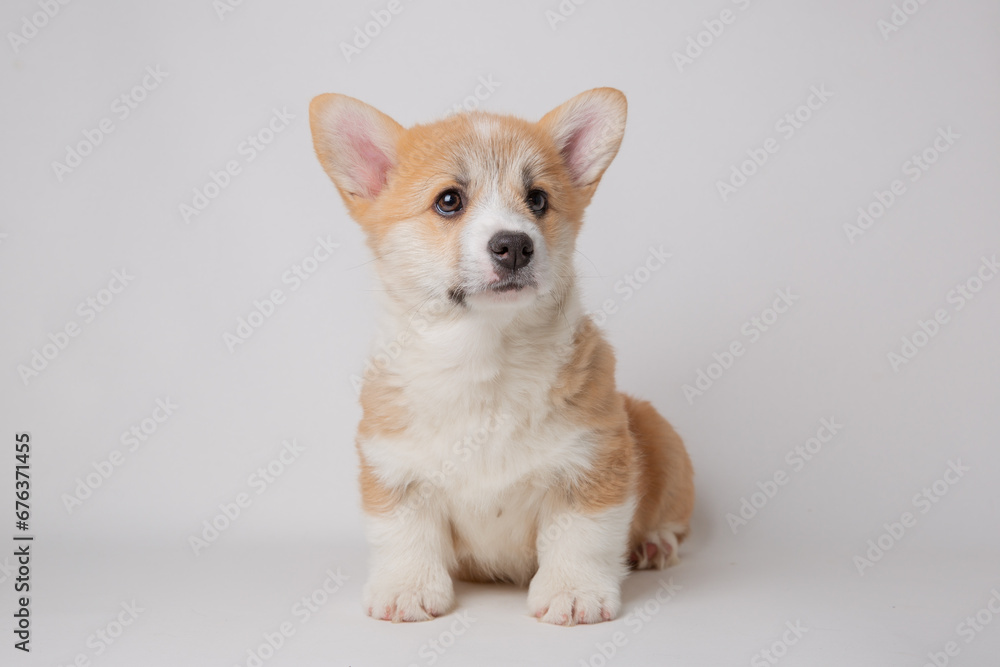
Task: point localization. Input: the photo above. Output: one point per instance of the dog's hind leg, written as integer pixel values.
(666, 489)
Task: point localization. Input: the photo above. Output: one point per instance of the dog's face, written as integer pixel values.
(478, 209)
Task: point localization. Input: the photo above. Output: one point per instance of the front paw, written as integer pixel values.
(587, 601)
(409, 601)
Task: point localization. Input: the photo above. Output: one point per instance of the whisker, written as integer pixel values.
(591, 262)
(373, 259)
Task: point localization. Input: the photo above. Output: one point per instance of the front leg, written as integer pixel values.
(412, 546)
(581, 565)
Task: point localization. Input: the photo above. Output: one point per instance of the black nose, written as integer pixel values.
(511, 250)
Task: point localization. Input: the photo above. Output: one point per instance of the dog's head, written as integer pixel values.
(479, 209)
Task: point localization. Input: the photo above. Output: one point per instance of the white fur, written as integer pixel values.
(409, 578)
(490, 217)
(581, 566)
(481, 456)
(485, 455)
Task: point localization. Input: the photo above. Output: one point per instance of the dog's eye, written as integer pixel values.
(448, 202)
(538, 201)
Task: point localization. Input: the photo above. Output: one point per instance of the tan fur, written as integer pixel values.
(382, 411)
(636, 447)
(586, 395)
(376, 497)
(428, 155)
(590, 449)
(636, 444)
(666, 482)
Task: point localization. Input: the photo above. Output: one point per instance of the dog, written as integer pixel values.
(494, 445)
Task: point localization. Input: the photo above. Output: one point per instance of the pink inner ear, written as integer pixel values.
(368, 164)
(579, 146)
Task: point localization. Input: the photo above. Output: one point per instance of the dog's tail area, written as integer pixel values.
(666, 488)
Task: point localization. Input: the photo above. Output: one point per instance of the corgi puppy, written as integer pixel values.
(494, 445)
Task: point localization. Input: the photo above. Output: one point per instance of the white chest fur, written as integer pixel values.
(482, 444)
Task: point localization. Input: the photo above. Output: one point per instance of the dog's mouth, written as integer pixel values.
(512, 284)
(505, 289)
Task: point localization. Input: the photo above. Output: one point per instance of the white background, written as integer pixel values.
(162, 336)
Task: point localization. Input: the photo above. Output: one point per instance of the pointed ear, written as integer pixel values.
(588, 130)
(355, 143)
